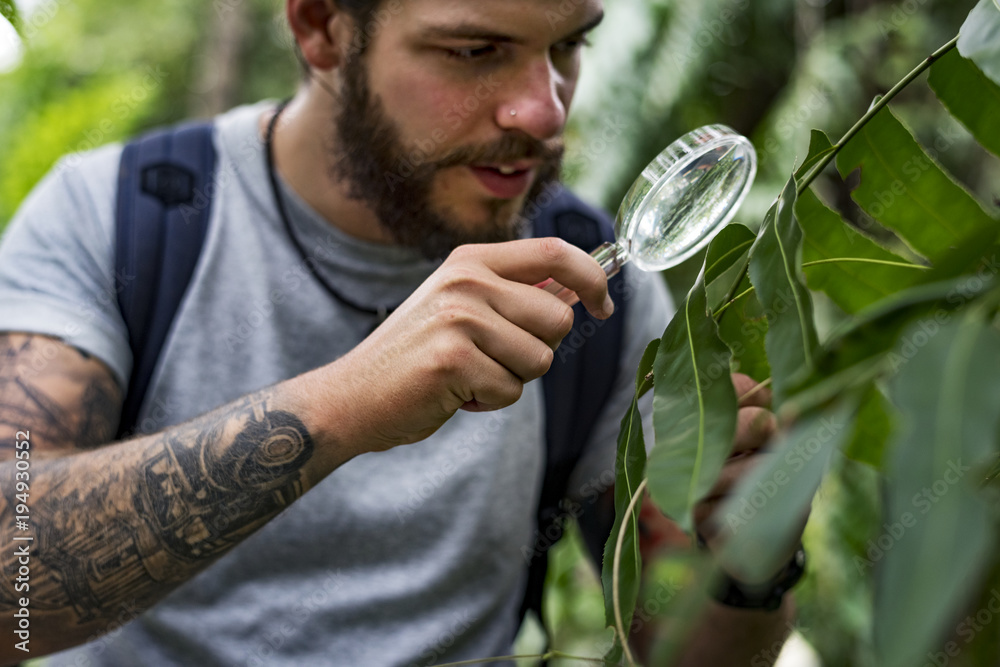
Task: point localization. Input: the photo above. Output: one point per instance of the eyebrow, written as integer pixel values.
(588, 26)
(474, 31)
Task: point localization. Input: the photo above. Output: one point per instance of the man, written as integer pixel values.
(361, 490)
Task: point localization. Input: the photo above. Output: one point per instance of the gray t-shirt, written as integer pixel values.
(408, 557)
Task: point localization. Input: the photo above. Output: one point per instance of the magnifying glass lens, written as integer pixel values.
(685, 196)
(679, 202)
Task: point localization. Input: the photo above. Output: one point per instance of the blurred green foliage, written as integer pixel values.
(8, 10)
(96, 72)
(771, 69)
(85, 118)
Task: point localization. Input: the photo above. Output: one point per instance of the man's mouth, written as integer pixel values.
(505, 181)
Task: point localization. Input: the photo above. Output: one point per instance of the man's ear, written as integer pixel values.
(322, 30)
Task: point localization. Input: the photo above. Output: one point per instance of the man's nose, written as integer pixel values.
(535, 102)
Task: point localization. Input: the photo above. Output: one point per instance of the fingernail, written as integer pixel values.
(609, 306)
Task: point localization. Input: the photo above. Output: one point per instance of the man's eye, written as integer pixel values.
(472, 53)
(571, 45)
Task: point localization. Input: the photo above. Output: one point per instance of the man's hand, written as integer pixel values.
(725, 635)
(469, 338)
(755, 426)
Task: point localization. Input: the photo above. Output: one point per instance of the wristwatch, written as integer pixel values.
(766, 595)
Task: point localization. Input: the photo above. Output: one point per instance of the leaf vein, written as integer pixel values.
(696, 473)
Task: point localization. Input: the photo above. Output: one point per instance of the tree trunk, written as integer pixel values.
(218, 70)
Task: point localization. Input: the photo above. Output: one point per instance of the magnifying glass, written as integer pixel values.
(679, 203)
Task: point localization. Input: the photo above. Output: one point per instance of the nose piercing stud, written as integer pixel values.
(513, 112)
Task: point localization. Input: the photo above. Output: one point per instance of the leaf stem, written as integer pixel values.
(832, 260)
(647, 384)
(865, 260)
(762, 385)
(718, 314)
(878, 106)
(616, 567)
(729, 297)
(554, 655)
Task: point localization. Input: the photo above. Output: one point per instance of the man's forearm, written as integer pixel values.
(720, 635)
(126, 524)
(737, 637)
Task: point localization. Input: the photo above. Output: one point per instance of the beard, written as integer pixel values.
(372, 161)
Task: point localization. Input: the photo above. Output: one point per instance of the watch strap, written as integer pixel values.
(766, 595)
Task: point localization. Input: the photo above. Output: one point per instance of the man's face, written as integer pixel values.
(426, 134)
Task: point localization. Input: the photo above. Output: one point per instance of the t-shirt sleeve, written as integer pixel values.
(57, 268)
(649, 311)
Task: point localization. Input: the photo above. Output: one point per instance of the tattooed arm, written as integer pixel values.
(121, 525)
(118, 526)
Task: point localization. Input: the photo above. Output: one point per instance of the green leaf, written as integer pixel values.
(939, 535)
(979, 38)
(861, 279)
(742, 324)
(726, 263)
(826, 386)
(953, 78)
(872, 430)
(883, 321)
(8, 10)
(819, 147)
(907, 191)
(871, 344)
(764, 513)
(743, 328)
(694, 410)
(630, 465)
(775, 271)
(642, 381)
(974, 257)
(75, 120)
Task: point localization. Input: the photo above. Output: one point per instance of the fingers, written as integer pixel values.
(494, 388)
(533, 310)
(519, 326)
(526, 356)
(533, 261)
(735, 470)
(755, 426)
(750, 392)
(657, 531)
(754, 429)
(482, 282)
(470, 336)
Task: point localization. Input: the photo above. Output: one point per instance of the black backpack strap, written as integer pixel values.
(576, 387)
(165, 182)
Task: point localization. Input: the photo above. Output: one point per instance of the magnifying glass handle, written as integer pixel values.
(610, 256)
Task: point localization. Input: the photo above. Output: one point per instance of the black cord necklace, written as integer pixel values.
(381, 312)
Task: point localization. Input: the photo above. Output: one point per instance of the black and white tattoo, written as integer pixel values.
(126, 524)
(68, 405)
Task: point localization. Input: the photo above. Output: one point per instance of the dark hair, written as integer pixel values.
(361, 11)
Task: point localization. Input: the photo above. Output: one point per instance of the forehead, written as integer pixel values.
(521, 21)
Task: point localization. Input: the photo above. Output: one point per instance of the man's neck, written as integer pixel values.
(303, 155)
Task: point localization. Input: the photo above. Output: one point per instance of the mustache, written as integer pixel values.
(511, 147)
